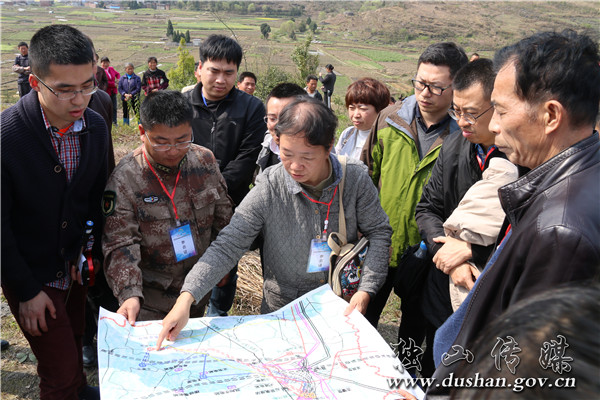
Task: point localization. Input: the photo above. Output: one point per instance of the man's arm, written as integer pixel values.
(17, 274)
(121, 246)
(429, 212)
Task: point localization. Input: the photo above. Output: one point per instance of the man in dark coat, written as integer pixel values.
(544, 116)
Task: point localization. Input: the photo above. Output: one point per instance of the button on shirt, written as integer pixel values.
(68, 149)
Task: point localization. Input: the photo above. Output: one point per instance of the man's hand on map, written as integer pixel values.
(130, 309)
(360, 301)
(176, 319)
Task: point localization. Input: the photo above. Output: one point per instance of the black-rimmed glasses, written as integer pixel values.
(68, 95)
(470, 118)
(418, 85)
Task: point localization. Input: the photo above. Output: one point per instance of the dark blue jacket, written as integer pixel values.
(130, 86)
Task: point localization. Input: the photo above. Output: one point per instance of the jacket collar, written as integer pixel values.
(197, 95)
(405, 115)
(516, 197)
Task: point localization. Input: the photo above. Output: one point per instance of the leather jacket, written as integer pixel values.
(555, 220)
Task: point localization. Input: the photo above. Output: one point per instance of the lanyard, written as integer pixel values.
(169, 195)
(326, 224)
(482, 160)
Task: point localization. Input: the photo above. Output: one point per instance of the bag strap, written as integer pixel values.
(342, 223)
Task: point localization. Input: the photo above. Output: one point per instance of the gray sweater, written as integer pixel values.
(288, 221)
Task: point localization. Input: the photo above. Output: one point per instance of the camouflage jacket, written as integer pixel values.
(139, 256)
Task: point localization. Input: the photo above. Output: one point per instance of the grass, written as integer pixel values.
(366, 65)
(381, 55)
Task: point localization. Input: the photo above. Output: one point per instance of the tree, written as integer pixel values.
(305, 62)
(313, 26)
(187, 36)
(169, 28)
(183, 73)
(265, 29)
(308, 21)
(251, 8)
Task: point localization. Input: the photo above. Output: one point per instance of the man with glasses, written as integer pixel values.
(402, 148)
(280, 96)
(472, 222)
(546, 95)
(164, 203)
(54, 168)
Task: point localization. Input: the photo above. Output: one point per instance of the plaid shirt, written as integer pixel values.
(68, 149)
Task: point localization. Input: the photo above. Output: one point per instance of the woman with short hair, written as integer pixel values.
(295, 205)
(364, 99)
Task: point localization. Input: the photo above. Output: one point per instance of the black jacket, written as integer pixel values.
(455, 171)
(43, 216)
(328, 82)
(555, 219)
(233, 133)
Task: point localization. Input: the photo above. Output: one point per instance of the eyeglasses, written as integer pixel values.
(466, 116)
(270, 118)
(68, 95)
(432, 88)
(167, 147)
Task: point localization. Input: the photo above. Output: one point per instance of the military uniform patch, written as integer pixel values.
(108, 203)
(150, 199)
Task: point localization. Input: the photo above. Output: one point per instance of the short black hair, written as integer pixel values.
(329, 66)
(152, 58)
(104, 59)
(563, 66)
(61, 45)
(221, 47)
(285, 90)
(165, 107)
(311, 77)
(447, 54)
(22, 44)
(247, 74)
(478, 71)
(309, 117)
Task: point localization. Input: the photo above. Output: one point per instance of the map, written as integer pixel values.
(306, 350)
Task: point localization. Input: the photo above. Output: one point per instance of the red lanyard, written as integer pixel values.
(482, 162)
(326, 224)
(169, 195)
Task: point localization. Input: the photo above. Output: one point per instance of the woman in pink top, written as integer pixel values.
(113, 78)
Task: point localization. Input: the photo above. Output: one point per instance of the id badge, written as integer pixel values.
(318, 260)
(183, 242)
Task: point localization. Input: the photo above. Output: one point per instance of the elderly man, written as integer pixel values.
(163, 204)
(544, 115)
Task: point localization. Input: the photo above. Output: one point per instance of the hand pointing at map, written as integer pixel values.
(176, 319)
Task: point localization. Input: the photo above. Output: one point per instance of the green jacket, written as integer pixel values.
(393, 160)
